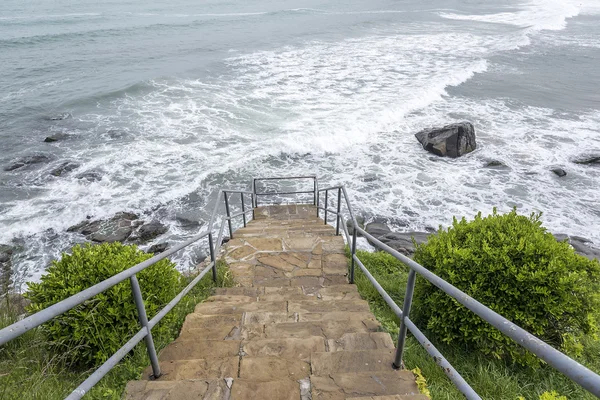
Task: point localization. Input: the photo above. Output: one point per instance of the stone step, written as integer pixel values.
(227, 388)
(341, 386)
(239, 291)
(264, 369)
(352, 361)
(264, 318)
(204, 368)
(392, 397)
(226, 308)
(230, 298)
(361, 341)
(211, 326)
(326, 329)
(316, 306)
(336, 292)
(188, 348)
(289, 348)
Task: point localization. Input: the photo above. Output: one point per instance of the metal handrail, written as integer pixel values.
(567, 366)
(314, 192)
(17, 329)
(561, 362)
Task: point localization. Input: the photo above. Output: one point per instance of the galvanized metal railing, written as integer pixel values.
(561, 362)
(569, 367)
(314, 191)
(145, 333)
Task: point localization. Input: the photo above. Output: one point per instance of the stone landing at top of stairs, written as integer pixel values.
(293, 328)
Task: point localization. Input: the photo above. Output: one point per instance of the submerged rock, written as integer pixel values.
(55, 137)
(559, 172)
(64, 168)
(495, 164)
(588, 160)
(90, 176)
(60, 117)
(26, 161)
(451, 141)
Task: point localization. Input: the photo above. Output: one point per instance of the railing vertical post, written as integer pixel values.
(339, 208)
(228, 215)
(353, 251)
(143, 318)
(326, 205)
(315, 194)
(253, 206)
(243, 209)
(212, 255)
(254, 191)
(410, 288)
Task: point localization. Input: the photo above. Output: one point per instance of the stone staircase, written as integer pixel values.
(293, 329)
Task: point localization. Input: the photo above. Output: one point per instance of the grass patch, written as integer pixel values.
(491, 378)
(29, 371)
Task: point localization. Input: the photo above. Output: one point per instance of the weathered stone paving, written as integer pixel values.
(293, 328)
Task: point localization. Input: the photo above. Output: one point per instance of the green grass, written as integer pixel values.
(29, 371)
(491, 378)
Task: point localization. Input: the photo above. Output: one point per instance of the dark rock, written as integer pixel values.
(495, 164)
(361, 224)
(369, 178)
(583, 248)
(588, 160)
(55, 137)
(580, 245)
(6, 253)
(25, 161)
(377, 229)
(225, 240)
(151, 230)
(451, 141)
(64, 168)
(403, 242)
(115, 229)
(16, 304)
(158, 248)
(559, 171)
(188, 219)
(90, 176)
(60, 117)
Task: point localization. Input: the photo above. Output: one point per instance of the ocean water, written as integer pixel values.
(168, 101)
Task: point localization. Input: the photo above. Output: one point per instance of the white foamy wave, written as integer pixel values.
(537, 15)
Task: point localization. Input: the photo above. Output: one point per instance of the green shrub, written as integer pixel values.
(516, 267)
(90, 333)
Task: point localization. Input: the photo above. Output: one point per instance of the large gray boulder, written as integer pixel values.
(123, 226)
(115, 229)
(451, 141)
(403, 242)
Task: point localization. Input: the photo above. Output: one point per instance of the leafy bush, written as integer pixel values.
(93, 331)
(516, 267)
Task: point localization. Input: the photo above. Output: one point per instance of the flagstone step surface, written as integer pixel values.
(292, 328)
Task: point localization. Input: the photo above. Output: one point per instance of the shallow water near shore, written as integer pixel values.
(170, 101)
